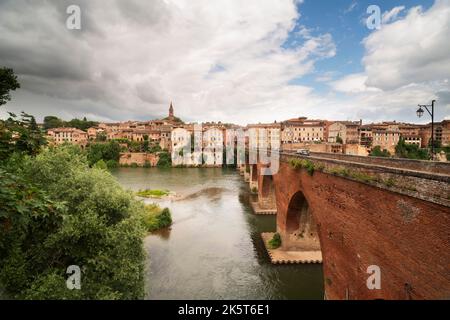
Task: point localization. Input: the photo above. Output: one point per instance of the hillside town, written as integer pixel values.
(346, 137)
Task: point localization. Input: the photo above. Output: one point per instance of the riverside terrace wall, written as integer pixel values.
(361, 224)
(418, 165)
(139, 158)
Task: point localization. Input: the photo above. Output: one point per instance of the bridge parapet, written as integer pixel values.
(428, 184)
(415, 165)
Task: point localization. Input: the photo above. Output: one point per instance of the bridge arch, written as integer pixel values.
(301, 231)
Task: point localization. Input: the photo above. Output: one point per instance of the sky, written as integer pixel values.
(228, 60)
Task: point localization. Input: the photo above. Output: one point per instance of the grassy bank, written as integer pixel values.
(155, 193)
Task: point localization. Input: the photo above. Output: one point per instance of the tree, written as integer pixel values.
(410, 151)
(103, 151)
(8, 82)
(55, 211)
(51, 122)
(377, 152)
(339, 139)
(20, 135)
(165, 160)
(145, 145)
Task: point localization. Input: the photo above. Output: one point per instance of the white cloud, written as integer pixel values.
(221, 61)
(353, 83)
(391, 15)
(405, 63)
(351, 7)
(411, 50)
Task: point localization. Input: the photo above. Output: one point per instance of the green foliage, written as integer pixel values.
(8, 82)
(20, 135)
(55, 211)
(152, 193)
(357, 175)
(134, 165)
(389, 182)
(303, 163)
(153, 218)
(410, 151)
(361, 176)
(377, 152)
(103, 151)
(54, 122)
(155, 148)
(339, 139)
(147, 164)
(111, 164)
(275, 242)
(101, 137)
(100, 164)
(145, 146)
(175, 119)
(165, 160)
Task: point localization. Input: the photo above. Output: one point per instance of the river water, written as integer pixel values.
(214, 249)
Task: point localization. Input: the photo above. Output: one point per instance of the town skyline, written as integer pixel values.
(230, 63)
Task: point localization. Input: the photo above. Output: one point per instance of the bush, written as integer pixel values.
(154, 218)
(410, 151)
(303, 163)
(275, 242)
(100, 164)
(111, 164)
(103, 151)
(165, 160)
(377, 152)
(147, 164)
(134, 165)
(55, 211)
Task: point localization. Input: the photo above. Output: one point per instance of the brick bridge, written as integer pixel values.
(363, 211)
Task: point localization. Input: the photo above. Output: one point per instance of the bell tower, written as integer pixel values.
(171, 116)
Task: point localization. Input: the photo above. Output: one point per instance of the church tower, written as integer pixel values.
(171, 116)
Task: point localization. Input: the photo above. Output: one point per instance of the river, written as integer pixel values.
(214, 249)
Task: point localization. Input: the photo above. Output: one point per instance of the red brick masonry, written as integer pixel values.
(361, 225)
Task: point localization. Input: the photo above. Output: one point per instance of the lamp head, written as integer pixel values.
(420, 112)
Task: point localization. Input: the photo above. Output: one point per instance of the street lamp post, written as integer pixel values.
(420, 113)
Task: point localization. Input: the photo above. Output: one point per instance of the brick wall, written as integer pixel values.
(139, 158)
(361, 225)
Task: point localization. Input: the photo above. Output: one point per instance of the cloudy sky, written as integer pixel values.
(227, 60)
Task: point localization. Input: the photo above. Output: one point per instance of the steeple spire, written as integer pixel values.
(171, 115)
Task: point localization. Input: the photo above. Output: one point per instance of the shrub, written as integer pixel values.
(147, 164)
(390, 182)
(134, 165)
(165, 160)
(275, 242)
(361, 176)
(154, 218)
(303, 163)
(377, 152)
(111, 164)
(67, 213)
(100, 164)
